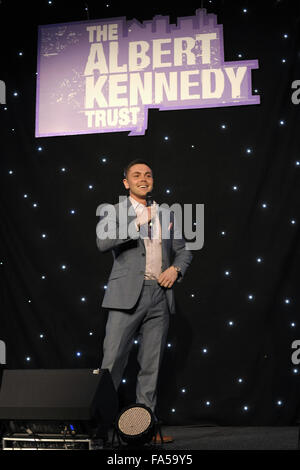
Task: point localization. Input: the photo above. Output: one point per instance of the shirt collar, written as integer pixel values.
(135, 203)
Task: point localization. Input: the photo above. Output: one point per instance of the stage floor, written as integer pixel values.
(231, 438)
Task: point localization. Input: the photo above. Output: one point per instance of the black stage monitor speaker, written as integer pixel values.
(59, 395)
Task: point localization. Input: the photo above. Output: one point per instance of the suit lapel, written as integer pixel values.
(164, 241)
(131, 217)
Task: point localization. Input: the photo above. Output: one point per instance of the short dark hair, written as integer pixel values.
(135, 162)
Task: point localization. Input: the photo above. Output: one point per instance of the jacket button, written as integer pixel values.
(143, 254)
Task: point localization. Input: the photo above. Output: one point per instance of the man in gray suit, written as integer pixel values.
(149, 256)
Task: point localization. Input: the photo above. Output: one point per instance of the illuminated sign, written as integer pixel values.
(103, 75)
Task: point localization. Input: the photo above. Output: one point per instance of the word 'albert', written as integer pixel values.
(157, 53)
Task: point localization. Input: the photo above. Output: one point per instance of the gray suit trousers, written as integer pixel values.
(150, 320)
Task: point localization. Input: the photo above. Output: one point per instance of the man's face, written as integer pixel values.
(139, 181)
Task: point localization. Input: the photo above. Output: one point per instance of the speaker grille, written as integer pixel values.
(134, 421)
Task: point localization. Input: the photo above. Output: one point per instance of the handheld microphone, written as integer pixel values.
(149, 199)
(149, 202)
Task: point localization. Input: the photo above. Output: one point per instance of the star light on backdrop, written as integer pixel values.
(106, 161)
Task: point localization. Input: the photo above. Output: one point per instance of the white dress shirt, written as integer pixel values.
(153, 267)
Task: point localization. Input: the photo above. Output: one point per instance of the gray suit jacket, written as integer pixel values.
(127, 275)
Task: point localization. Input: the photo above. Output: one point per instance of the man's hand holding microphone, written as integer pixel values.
(169, 276)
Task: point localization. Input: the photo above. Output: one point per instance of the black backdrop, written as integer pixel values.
(51, 317)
